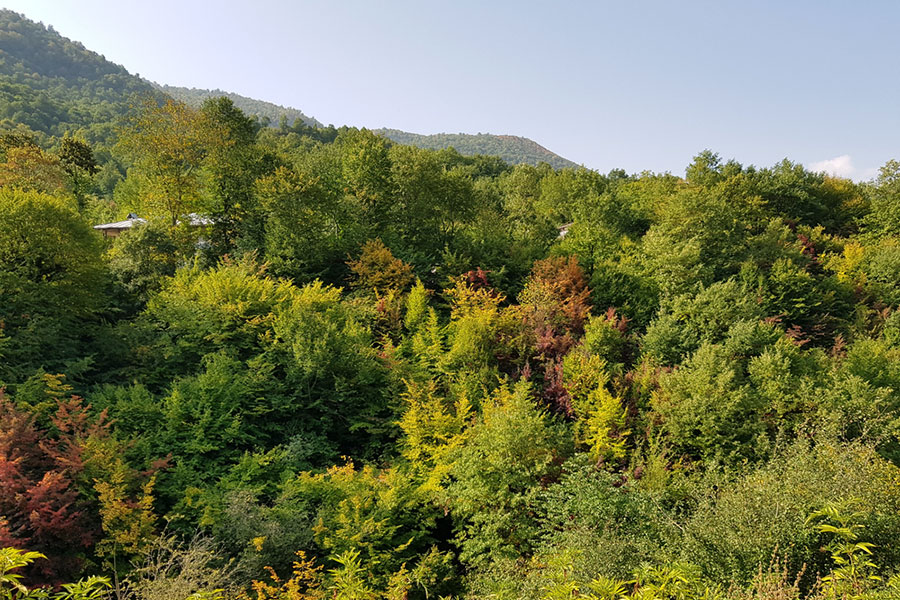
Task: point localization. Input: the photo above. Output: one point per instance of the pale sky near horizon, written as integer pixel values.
(639, 85)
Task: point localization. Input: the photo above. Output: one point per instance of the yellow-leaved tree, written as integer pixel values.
(167, 143)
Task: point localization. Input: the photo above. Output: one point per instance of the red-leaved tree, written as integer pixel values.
(40, 500)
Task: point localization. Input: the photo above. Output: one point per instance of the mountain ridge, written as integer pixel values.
(513, 149)
(263, 109)
(55, 85)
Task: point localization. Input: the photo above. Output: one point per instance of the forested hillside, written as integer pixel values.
(513, 149)
(376, 371)
(273, 114)
(53, 85)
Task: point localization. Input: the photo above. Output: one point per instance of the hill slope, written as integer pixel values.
(53, 84)
(513, 149)
(252, 107)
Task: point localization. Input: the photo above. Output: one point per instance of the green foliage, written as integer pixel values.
(12, 588)
(301, 219)
(141, 257)
(739, 527)
(10, 560)
(708, 410)
(853, 570)
(606, 337)
(167, 144)
(612, 528)
(687, 321)
(200, 311)
(51, 276)
(509, 454)
(622, 372)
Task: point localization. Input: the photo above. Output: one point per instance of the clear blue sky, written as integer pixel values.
(641, 85)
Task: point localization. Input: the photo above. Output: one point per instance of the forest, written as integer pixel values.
(323, 364)
(379, 371)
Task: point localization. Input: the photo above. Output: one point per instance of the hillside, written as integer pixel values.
(513, 149)
(252, 107)
(53, 85)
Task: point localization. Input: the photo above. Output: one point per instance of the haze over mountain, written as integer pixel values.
(513, 149)
(267, 112)
(53, 85)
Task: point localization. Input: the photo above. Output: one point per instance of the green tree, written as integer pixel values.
(509, 453)
(366, 166)
(233, 164)
(431, 202)
(167, 144)
(78, 160)
(303, 236)
(51, 277)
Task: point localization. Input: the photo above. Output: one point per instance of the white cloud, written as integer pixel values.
(842, 166)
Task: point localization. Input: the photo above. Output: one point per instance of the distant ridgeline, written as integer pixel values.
(513, 149)
(265, 111)
(54, 85)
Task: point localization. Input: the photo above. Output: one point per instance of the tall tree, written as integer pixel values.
(50, 272)
(233, 164)
(366, 171)
(167, 144)
(78, 161)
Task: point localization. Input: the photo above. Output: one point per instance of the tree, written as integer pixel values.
(141, 257)
(708, 169)
(167, 144)
(27, 167)
(47, 476)
(77, 159)
(883, 219)
(302, 236)
(233, 163)
(377, 269)
(509, 453)
(366, 172)
(50, 275)
(430, 201)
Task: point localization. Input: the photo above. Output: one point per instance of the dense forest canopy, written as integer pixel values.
(373, 370)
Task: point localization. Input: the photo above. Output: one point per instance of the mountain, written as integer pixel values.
(53, 85)
(513, 149)
(252, 107)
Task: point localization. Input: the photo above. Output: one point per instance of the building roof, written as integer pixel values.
(128, 223)
(193, 219)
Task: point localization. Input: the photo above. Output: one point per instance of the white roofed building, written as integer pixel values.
(114, 229)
